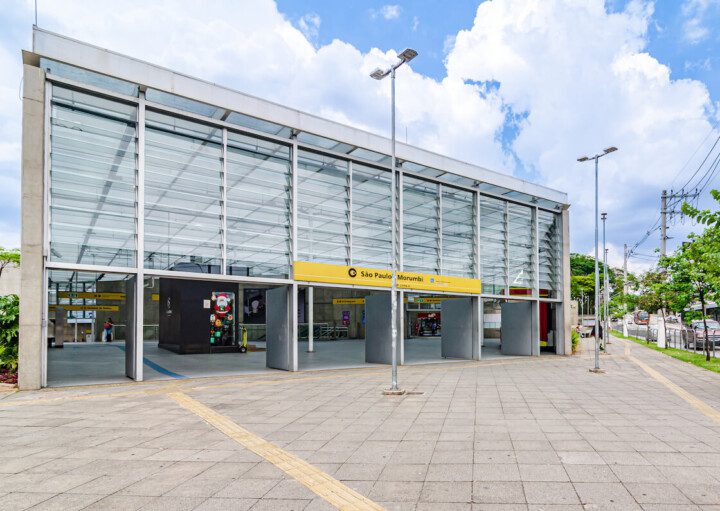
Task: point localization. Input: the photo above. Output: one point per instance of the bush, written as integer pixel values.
(9, 332)
(575, 339)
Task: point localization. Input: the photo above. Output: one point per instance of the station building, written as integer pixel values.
(173, 228)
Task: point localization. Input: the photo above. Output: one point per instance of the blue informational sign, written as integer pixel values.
(363, 317)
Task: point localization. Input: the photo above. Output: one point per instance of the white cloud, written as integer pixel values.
(388, 12)
(694, 29)
(415, 24)
(584, 80)
(310, 26)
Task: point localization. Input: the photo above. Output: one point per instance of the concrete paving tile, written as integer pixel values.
(499, 507)
(498, 493)
(496, 472)
(546, 473)
(247, 488)
(290, 489)
(672, 459)
(443, 506)
(19, 500)
(590, 474)
(319, 504)
(280, 505)
(495, 457)
(173, 504)
(452, 457)
(395, 491)
(550, 493)
(702, 494)
(450, 472)
(16, 465)
(66, 502)
(611, 496)
(216, 504)
(264, 470)
(359, 471)
(623, 458)
(637, 474)
(437, 491)
(537, 457)
(403, 472)
(656, 493)
(677, 507)
(119, 503)
(580, 458)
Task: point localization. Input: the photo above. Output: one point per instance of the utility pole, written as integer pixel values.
(625, 258)
(663, 223)
(668, 203)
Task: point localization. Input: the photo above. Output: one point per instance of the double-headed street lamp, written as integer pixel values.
(607, 151)
(406, 56)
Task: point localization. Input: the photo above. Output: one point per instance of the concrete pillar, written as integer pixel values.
(32, 285)
(310, 322)
(564, 345)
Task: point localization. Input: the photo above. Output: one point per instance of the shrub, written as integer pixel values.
(9, 332)
(575, 339)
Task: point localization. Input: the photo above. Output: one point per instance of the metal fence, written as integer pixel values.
(683, 338)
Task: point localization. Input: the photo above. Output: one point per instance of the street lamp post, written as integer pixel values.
(607, 299)
(378, 74)
(603, 217)
(609, 150)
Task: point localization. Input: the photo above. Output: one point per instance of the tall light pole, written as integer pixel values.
(609, 150)
(406, 56)
(603, 217)
(606, 339)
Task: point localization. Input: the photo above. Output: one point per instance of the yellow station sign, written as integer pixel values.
(155, 297)
(348, 301)
(427, 282)
(355, 275)
(108, 308)
(91, 296)
(336, 274)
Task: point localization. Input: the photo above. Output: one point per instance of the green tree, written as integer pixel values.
(655, 292)
(695, 275)
(9, 332)
(8, 257)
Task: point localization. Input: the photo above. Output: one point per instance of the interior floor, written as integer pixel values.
(96, 363)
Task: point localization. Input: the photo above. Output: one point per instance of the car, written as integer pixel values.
(698, 333)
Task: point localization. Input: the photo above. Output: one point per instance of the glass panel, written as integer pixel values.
(421, 229)
(323, 213)
(550, 256)
(521, 237)
(458, 232)
(182, 195)
(88, 77)
(258, 207)
(325, 143)
(372, 217)
(493, 233)
(258, 124)
(181, 103)
(92, 180)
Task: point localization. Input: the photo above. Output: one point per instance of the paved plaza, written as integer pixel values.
(505, 434)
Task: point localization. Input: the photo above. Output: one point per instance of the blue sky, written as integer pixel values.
(519, 86)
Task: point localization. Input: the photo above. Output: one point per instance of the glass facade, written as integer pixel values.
(258, 207)
(458, 232)
(371, 217)
(323, 209)
(218, 198)
(183, 188)
(549, 254)
(421, 226)
(93, 153)
(521, 250)
(493, 245)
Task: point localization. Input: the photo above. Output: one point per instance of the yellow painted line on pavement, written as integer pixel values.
(699, 404)
(306, 474)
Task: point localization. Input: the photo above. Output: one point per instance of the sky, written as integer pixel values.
(523, 87)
